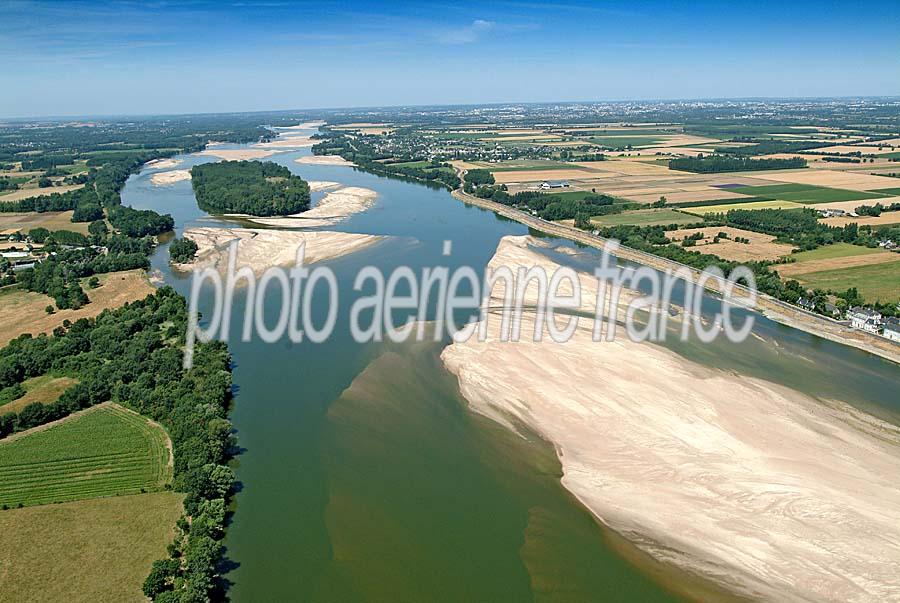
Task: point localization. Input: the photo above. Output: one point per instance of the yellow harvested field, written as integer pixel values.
(541, 137)
(465, 165)
(761, 246)
(51, 220)
(23, 311)
(685, 140)
(540, 175)
(798, 268)
(636, 168)
(687, 151)
(99, 549)
(852, 205)
(888, 217)
(864, 149)
(831, 178)
(712, 209)
(44, 389)
(27, 193)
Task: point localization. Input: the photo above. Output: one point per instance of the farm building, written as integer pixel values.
(892, 329)
(864, 319)
(548, 184)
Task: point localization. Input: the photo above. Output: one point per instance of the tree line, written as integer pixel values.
(711, 164)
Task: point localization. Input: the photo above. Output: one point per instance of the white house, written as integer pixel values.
(892, 329)
(548, 184)
(864, 319)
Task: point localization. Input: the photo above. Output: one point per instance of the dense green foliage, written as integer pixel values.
(182, 251)
(132, 355)
(769, 147)
(553, 207)
(718, 163)
(249, 187)
(478, 177)
(799, 227)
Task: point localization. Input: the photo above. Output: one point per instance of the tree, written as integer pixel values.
(49, 309)
(93, 282)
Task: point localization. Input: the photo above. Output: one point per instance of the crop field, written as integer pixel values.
(27, 193)
(88, 550)
(537, 175)
(51, 220)
(891, 192)
(837, 250)
(103, 451)
(879, 282)
(806, 193)
(525, 164)
(618, 142)
(760, 247)
(712, 209)
(44, 389)
(646, 217)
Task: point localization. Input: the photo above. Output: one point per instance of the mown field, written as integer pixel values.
(837, 250)
(645, 217)
(103, 451)
(618, 142)
(89, 550)
(44, 389)
(806, 193)
(876, 282)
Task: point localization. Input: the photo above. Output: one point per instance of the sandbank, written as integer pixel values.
(171, 177)
(323, 160)
(236, 154)
(159, 164)
(263, 249)
(768, 491)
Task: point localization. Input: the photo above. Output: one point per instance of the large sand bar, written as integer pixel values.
(762, 488)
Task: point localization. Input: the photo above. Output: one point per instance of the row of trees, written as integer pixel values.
(133, 356)
(719, 163)
(553, 207)
(249, 187)
(798, 227)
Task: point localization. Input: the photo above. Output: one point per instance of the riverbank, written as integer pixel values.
(761, 488)
(768, 306)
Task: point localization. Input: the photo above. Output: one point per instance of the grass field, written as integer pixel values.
(645, 217)
(879, 282)
(837, 250)
(892, 192)
(103, 451)
(85, 551)
(44, 389)
(27, 193)
(806, 193)
(712, 209)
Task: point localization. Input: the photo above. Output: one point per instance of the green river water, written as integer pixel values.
(363, 476)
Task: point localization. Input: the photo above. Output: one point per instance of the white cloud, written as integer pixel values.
(468, 34)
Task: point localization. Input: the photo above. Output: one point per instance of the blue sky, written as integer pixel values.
(83, 58)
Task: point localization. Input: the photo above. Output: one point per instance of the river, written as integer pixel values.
(363, 476)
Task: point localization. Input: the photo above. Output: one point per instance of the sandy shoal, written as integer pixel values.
(263, 249)
(323, 160)
(764, 489)
(286, 142)
(334, 207)
(316, 186)
(237, 154)
(170, 177)
(160, 164)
